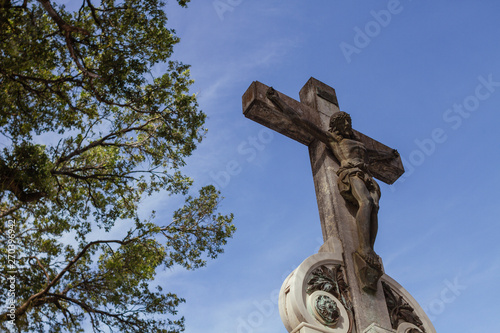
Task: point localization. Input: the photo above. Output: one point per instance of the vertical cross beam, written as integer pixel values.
(338, 216)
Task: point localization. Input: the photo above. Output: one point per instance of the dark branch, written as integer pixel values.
(102, 141)
(63, 25)
(35, 299)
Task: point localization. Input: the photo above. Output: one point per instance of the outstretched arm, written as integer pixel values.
(313, 129)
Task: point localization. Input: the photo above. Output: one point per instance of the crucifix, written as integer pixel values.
(354, 181)
(344, 162)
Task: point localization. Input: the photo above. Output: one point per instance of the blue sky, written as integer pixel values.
(425, 80)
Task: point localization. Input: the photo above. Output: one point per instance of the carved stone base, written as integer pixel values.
(368, 273)
(374, 328)
(315, 297)
(308, 328)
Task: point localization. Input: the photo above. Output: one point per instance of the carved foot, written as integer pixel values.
(372, 259)
(368, 270)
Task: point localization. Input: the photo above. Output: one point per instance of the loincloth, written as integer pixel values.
(344, 182)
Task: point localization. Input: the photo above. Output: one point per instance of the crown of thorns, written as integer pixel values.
(338, 118)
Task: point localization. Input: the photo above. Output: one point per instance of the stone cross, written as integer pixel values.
(318, 102)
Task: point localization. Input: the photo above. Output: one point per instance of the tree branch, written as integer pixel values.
(33, 298)
(43, 268)
(67, 29)
(11, 210)
(89, 309)
(63, 25)
(101, 141)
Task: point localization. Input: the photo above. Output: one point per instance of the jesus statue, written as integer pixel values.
(355, 182)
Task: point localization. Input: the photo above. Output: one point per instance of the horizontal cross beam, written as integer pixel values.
(257, 107)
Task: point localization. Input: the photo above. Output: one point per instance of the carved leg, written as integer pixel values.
(367, 262)
(373, 228)
(364, 215)
(374, 220)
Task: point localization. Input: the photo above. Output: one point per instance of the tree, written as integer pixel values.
(89, 131)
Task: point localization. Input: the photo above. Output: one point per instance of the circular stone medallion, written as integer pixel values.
(328, 311)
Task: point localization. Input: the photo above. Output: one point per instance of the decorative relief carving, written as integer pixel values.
(400, 311)
(331, 281)
(327, 309)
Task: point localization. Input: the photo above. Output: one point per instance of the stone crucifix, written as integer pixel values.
(355, 182)
(343, 163)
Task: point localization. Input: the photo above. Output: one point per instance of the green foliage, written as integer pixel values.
(90, 132)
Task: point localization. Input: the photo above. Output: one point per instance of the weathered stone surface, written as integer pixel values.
(259, 108)
(407, 315)
(305, 285)
(307, 328)
(368, 274)
(399, 309)
(387, 171)
(374, 328)
(338, 217)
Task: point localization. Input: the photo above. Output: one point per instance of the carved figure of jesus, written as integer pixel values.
(356, 184)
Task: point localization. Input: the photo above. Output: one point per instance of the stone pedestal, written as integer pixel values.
(307, 328)
(374, 328)
(317, 298)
